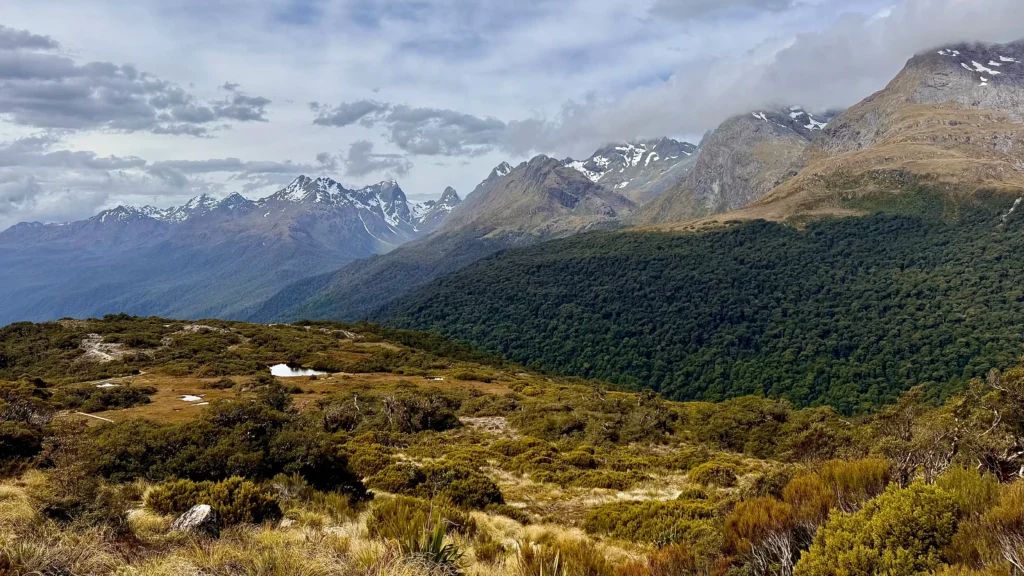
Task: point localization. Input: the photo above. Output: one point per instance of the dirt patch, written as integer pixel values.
(98, 351)
(196, 328)
(493, 425)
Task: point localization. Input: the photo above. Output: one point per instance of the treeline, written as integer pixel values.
(848, 313)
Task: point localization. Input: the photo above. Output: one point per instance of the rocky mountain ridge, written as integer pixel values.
(737, 163)
(950, 125)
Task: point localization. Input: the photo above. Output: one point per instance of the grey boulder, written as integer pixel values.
(202, 520)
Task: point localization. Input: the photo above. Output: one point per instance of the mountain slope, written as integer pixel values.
(521, 206)
(203, 259)
(848, 313)
(952, 122)
(640, 170)
(737, 163)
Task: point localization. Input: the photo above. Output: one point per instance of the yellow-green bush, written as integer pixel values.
(903, 532)
(398, 478)
(513, 448)
(459, 484)
(580, 459)
(236, 501)
(973, 491)
(717, 474)
(692, 494)
(651, 521)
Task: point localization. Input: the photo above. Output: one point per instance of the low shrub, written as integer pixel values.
(580, 459)
(79, 500)
(369, 459)
(513, 448)
(237, 501)
(89, 398)
(651, 521)
(461, 485)
(473, 376)
(397, 478)
(714, 474)
(692, 494)
(222, 384)
(18, 442)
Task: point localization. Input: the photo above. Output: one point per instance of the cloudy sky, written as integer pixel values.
(104, 102)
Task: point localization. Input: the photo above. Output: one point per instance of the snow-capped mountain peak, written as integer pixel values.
(501, 170)
(619, 165)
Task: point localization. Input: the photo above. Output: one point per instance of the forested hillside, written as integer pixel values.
(848, 313)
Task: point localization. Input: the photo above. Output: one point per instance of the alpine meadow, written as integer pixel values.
(740, 291)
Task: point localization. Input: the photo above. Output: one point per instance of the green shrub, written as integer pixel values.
(580, 459)
(89, 398)
(222, 384)
(69, 497)
(513, 448)
(714, 474)
(692, 494)
(902, 532)
(973, 491)
(405, 409)
(461, 485)
(237, 501)
(770, 484)
(369, 459)
(473, 376)
(651, 521)
(398, 478)
(18, 442)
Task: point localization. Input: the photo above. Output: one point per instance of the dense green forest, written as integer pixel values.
(848, 312)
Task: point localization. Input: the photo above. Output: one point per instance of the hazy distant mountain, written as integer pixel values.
(535, 201)
(206, 258)
(738, 163)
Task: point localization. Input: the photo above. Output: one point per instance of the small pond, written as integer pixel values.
(286, 371)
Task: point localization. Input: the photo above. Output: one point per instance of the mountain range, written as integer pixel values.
(947, 130)
(207, 257)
